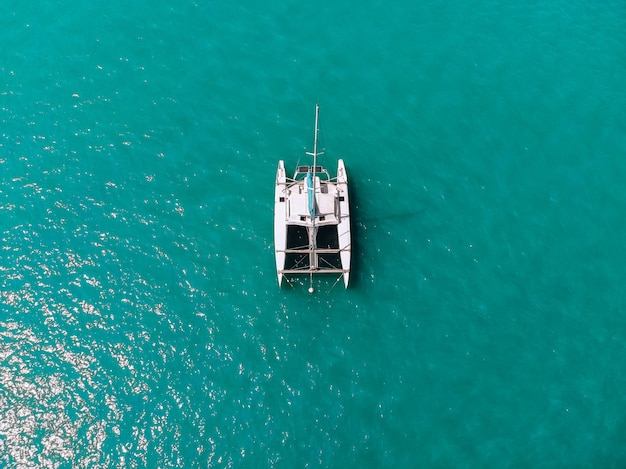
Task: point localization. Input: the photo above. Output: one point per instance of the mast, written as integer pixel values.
(310, 177)
(315, 153)
(317, 115)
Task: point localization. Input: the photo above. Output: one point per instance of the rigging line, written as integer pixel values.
(336, 282)
(299, 262)
(322, 140)
(301, 248)
(328, 263)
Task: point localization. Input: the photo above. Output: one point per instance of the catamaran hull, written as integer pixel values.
(343, 227)
(280, 220)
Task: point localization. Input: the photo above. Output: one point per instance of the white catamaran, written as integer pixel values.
(312, 220)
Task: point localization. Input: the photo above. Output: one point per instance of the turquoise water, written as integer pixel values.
(141, 324)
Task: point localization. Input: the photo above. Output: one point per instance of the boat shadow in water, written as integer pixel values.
(374, 226)
(355, 230)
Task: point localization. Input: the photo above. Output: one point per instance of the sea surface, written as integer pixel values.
(141, 325)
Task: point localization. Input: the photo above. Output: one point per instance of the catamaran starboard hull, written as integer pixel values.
(343, 227)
